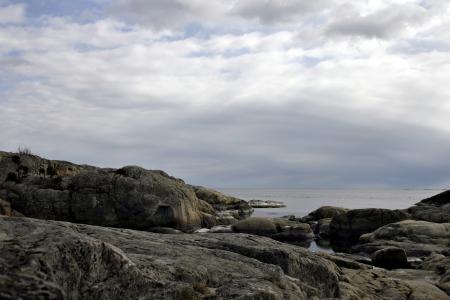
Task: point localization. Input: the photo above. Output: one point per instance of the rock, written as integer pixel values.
(324, 212)
(90, 262)
(434, 209)
(349, 226)
(164, 230)
(266, 204)
(257, 226)
(130, 197)
(382, 284)
(221, 229)
(278, 229)
(202, 230)
(437, 200)
(418, 238)
(229, 209)
(390, 258)
(5, 208)
(323, 228)
(440, 265)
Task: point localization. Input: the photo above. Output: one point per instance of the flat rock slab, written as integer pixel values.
(266, 204)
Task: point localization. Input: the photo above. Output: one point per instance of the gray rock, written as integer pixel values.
(323, 227)
(130, 197)
(278, 229)
(434, 209)
(418, 238)
(390, 258)
(324, 212)
(266, 204)
(229, 209)
(90, 262)
(349, 226)
(221, 229)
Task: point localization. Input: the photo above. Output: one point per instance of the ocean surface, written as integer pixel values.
(300, 202)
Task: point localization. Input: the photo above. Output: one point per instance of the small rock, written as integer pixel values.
(266, 204)
(390, 258)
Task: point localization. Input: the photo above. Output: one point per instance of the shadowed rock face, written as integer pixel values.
(433, 209)
(349, 226)
(89, 262)
(130, 197)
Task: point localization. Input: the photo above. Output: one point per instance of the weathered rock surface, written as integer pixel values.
(418, 238)
(90, 262)
(130, 197)
(323, 228)
(433, 209)
(375, 284)
(440, 265)
(229, 209)
(266, 204)
(390, 258)
(278, 229)
(324, 212)
(349, 226)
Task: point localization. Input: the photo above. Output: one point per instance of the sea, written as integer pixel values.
(300, 202)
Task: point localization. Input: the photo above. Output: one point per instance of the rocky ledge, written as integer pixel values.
(129, 197)
(58, 260)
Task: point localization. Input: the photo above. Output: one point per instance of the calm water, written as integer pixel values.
(300, 202)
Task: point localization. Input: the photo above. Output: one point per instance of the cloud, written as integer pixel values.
(384, 23)
(12, 14)
(280, 103)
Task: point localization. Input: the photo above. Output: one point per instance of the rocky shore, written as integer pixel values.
(71, 231)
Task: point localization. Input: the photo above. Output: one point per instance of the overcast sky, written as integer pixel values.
(228, 93)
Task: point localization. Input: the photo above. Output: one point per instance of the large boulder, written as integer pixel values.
(418, 238)
(278, 229)
(130, 197)
(76, 261)
(433, 209)
(349, 226)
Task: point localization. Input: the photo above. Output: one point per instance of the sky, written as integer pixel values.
(228, 93)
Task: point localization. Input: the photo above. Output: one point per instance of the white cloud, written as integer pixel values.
(290, 104)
